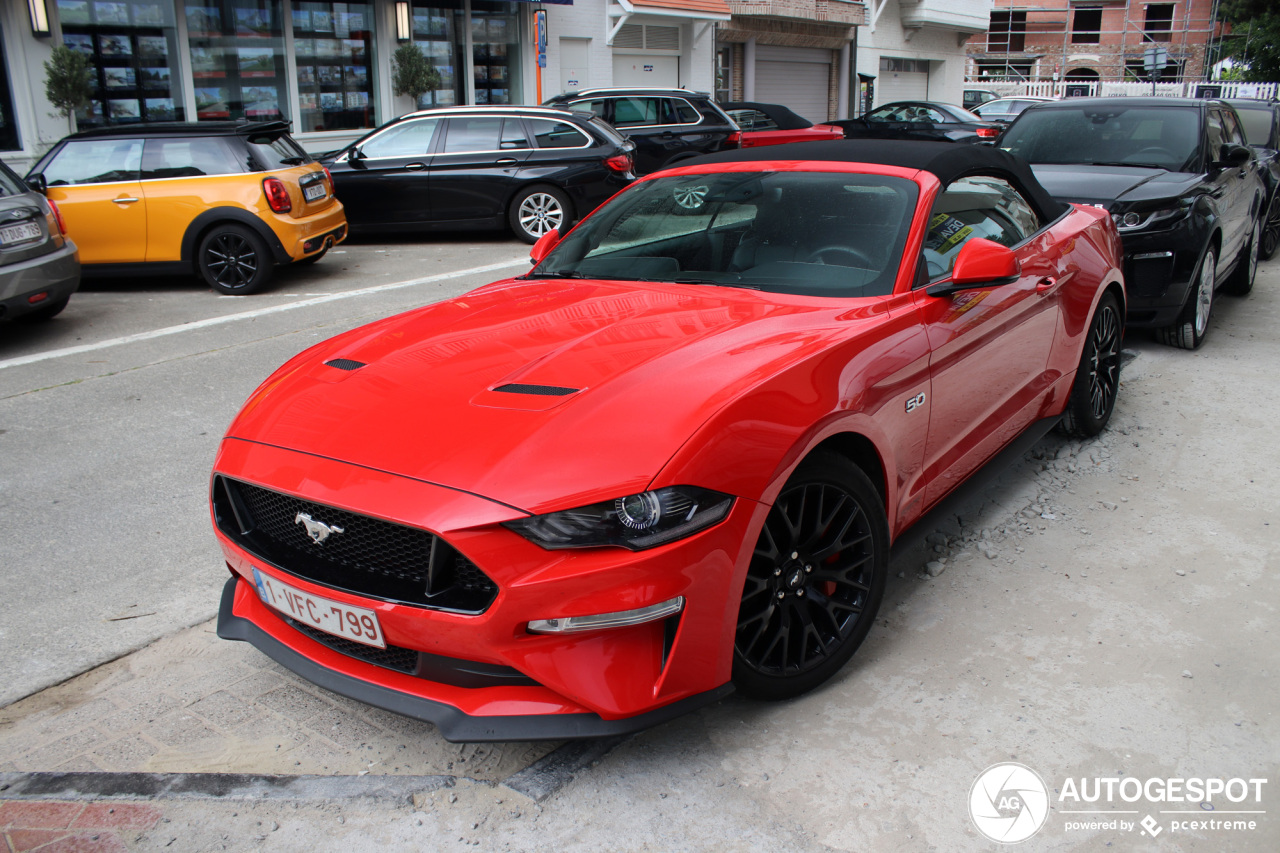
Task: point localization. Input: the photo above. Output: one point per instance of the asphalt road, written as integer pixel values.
(110, 416)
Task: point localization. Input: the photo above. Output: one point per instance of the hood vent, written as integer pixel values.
(537, 390)
(344, 364)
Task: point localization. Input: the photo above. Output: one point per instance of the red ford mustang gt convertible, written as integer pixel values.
(670, 460)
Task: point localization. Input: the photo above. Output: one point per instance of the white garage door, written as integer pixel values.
(633, 70)
(902, 80)
(796, 77)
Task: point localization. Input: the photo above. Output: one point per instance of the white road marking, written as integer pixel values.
(248, 315)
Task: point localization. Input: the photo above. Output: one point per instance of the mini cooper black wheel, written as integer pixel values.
(815, 580)
(1093, 395)
(234, 260)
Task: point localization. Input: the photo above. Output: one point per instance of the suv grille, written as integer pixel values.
(359, 554)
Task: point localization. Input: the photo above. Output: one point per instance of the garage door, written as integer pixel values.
(902, 80)
(796, 77)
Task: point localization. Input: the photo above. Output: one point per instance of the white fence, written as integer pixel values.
(1079, 88)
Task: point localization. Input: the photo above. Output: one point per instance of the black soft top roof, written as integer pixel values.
(783, 117)
(948, 161)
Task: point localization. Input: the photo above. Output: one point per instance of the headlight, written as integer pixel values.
(1139, 220)
(635, 522)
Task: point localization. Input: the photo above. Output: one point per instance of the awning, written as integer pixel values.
(704, 10)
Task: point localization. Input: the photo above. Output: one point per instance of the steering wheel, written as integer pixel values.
(860, 259)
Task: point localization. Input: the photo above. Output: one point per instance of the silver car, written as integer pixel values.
(39, 265)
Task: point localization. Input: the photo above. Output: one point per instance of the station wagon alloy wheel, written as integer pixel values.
(537, 211)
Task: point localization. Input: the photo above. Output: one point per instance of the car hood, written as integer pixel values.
(542, 395)
(1106, 184)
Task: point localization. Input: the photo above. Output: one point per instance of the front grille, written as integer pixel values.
(392, 657)
(356, 553)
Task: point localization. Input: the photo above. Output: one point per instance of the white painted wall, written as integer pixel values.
(37, 129)
(942, 48)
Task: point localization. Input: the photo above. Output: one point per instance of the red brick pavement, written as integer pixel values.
(51, 826)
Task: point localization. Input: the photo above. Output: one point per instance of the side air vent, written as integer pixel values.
(344, 363)
(537, 390)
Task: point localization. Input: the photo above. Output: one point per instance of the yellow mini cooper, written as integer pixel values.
(226, 200)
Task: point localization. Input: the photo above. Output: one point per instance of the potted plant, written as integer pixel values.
(67, 82)
(412, 73)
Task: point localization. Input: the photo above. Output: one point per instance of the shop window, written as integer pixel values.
(132, 50)
(724, 74)
(333, 44)
(437, 31)
(1088, 26)
(495, 40)
(8, 126)
(237, 59)
(1007, 32)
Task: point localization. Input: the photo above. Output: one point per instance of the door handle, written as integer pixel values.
(124, 200)
(667, 135)
(415, 167)
(1046, 283)
(506, 161)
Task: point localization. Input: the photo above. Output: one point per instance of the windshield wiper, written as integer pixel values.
(555, 274)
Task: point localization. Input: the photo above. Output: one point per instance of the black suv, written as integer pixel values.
(482, 167)
(667, 125)
(1180, 184)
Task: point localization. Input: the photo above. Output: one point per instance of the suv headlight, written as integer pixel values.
(635, 522)
(1150, 219)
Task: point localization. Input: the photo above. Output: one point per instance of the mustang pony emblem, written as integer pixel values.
(317, 530)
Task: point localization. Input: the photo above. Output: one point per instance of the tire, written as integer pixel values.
(1241, 280)
(1093, 394)
(1271, 229)
(537, 210)
(1188, 331)
(815, 580)
(44, 312)
(234, 260)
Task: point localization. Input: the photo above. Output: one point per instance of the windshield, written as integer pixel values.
(814, 233)
(1114, 135)
(1256, 125)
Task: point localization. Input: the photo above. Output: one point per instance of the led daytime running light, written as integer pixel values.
(599, 621)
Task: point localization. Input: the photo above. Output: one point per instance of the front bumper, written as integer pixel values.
(532, 686)
(1158, 270)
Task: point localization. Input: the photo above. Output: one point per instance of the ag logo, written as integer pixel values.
(915, 402)
(1008, 803)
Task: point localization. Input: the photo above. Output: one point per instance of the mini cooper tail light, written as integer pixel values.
(57, 217)
(619, 162)
(277, 195)
(328, 176)
(988, 132)
(619, 619)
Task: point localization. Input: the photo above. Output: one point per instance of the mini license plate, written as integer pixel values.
(311, 192)
(332, 617)
(20, 233)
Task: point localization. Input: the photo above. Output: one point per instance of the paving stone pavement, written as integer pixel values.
(73, 827)
(192, 703)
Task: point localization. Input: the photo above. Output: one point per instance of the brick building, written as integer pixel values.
(1091, 40)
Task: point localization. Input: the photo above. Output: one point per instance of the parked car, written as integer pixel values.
(977, 97)
(774, 124)
(920, 120)
(671, 459)
(667, 125)
(1005, 110)
(39, 264)
(1181, 185)
(527, 168)
(1260, 121)
(228, 201)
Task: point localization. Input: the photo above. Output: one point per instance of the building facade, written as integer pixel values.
(1093, 40)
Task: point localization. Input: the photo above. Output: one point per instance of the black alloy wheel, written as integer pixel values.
(1271, 229)
(1093, 394)
(234, 260)
(815, 580)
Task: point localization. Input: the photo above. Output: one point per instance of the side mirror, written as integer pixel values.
(356, 158)
(38, 183)
(981, 263)
(543, 247)
(1233, 155)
